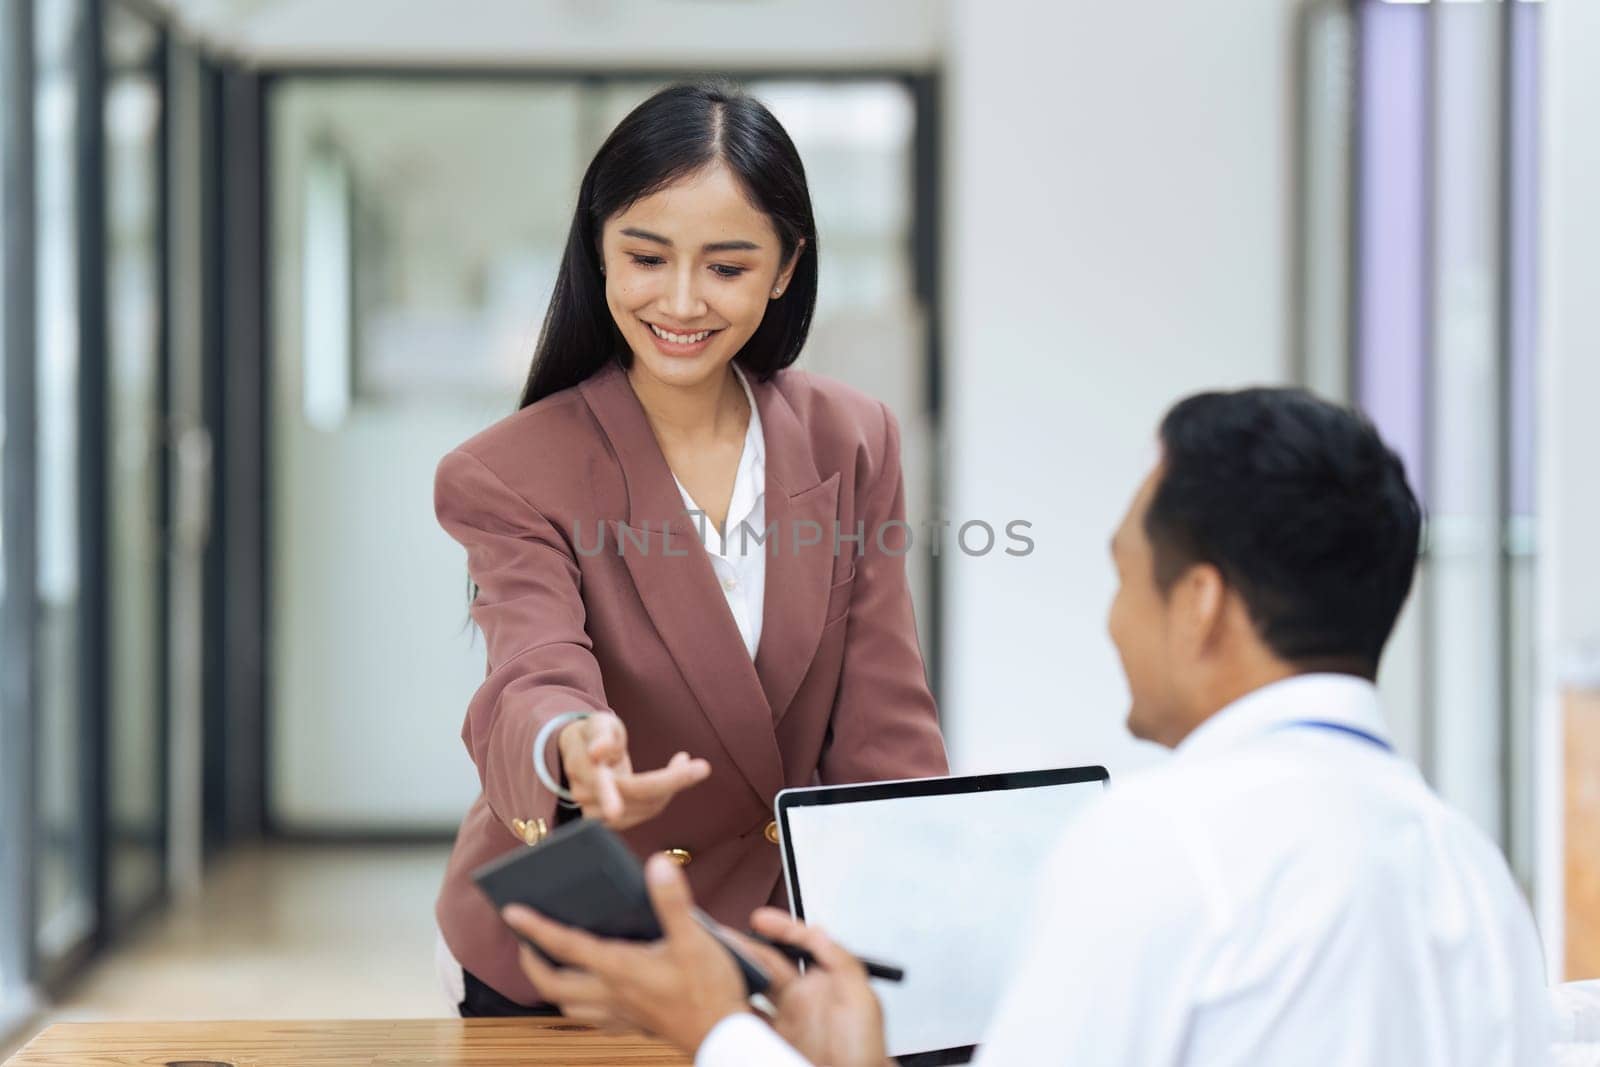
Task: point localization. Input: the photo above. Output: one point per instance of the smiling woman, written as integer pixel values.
(673, 691)
(697, 184)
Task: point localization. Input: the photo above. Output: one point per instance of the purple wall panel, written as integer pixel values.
(1392, 296)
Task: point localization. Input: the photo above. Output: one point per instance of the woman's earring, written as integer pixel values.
(777, 292)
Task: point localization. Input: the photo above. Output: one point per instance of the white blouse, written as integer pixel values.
(738, 558)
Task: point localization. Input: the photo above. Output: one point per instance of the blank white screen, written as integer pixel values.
(939, 885)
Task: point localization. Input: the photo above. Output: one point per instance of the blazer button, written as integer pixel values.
(772, 831)
(532, 831)
(680, 856)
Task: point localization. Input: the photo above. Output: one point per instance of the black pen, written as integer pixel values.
(875, 969)
(888, 972)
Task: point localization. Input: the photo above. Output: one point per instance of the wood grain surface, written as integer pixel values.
(327, 1043)
(1582, 713)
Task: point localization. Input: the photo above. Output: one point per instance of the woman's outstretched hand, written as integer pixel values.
(594, 754)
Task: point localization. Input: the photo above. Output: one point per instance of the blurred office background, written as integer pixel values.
(266, 260)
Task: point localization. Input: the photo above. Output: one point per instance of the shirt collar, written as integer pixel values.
(754, 440)
(1335, 698)
(749, 485)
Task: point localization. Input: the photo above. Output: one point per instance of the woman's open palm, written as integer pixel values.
(600, 774)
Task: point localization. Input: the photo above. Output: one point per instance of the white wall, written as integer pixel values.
(1118, 237)
(1572, 320)
(1569, 442)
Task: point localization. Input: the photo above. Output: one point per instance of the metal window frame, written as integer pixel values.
(92, 411)
(50, 974)
(18, 508)
(89, 222)
(243, 447)
(1519, 724)
(214, 758)
(113, 923)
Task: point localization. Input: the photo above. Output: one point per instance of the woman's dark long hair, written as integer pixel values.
(676, 132)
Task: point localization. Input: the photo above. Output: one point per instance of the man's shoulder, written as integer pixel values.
(1190, 818)
(1136, 860)
(1151, 794)
(1145, 809)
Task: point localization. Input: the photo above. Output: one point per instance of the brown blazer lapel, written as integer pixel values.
(674, 579)
(800, 507)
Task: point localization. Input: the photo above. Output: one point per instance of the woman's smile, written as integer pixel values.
(675, 343)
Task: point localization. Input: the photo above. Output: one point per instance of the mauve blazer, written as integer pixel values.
(594, 591)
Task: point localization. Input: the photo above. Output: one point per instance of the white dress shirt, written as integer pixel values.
(738, 556)
(1276, 893)
(1576, 1010)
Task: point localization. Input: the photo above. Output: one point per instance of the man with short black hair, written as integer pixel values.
(1285, 890)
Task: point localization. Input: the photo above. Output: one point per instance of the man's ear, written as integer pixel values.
(1199, 605)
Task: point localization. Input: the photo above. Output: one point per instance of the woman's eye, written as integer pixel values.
(648, 261)
(723, 271)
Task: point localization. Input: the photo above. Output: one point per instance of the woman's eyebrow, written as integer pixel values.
(646, 235)
(710, 246)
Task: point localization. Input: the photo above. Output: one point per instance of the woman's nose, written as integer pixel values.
(684, 302)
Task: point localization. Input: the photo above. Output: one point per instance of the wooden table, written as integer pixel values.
(332, 1043)
(1582, 826)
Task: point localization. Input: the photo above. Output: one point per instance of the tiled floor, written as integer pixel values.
(282, 932)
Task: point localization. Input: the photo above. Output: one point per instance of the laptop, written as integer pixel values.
(935, 875)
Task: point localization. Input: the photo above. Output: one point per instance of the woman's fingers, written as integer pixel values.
(593, 751)
(607, 737)
(576, 765)
(680, 773)
(605, 751)
(603, 782)
(605, 791)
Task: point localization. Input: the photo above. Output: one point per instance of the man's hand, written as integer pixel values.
(830, 1013)
(677, 988)
(594, 755)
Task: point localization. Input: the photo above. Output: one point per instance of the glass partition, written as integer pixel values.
(136, 735)
(64, 869)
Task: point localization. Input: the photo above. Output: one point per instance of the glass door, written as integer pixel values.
(65, 915)
(134, 255)
(16, 516)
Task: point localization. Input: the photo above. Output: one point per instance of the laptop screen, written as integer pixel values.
(935, 876)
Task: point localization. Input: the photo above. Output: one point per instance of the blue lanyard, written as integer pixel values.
(1339, 727)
